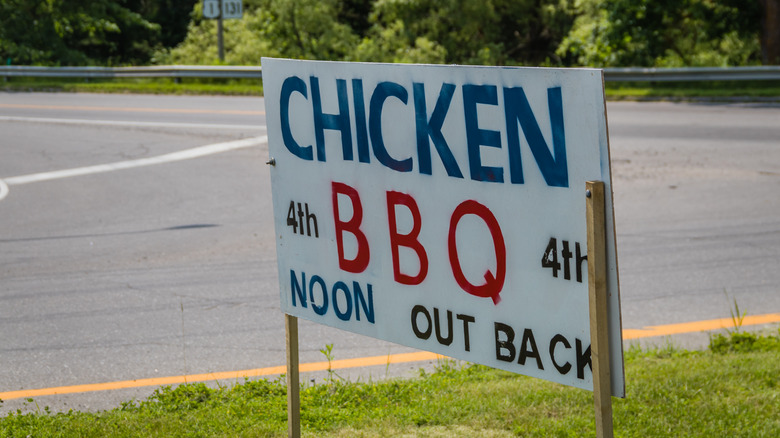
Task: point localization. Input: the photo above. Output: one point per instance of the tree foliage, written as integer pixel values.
(489, 32)
(173, 16)
(665, 33)
(496, 32)
(109, 32)
(300, 29)
(305, 29)
(493, 32)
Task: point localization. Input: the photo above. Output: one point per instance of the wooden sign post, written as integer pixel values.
(293, 378)
(597, 286)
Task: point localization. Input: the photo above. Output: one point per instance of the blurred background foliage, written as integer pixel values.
(665, 33)
(662, 33)
(95, 32)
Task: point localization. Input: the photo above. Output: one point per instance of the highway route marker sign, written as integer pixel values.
(224, 9)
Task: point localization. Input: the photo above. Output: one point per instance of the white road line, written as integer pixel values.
(129, 164)
(3, 189)
(126, 123)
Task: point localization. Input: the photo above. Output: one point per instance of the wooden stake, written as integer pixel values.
(597, 286)
(293, 380)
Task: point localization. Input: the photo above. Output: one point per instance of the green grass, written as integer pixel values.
(714, 90)
(239, 87)
(731, 390)
(717, 90)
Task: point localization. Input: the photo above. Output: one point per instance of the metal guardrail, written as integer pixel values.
(632, 74)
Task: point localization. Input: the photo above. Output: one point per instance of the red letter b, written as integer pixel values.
(407, 240)
(360, 262)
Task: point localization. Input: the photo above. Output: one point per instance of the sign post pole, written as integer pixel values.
(220, 43)
(222, 10)
(597, 287)
(293, 381)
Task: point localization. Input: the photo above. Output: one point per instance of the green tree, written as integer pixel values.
(491, 32)
(355, 14)
(299, 29)
(62, 32)
(664, 33)
(242, 43)
(173, 16)
(468, 32)
(391, 43)
(107, 32)
(305, 29)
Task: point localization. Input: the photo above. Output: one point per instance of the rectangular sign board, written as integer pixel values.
(443, 208)
(230, 9)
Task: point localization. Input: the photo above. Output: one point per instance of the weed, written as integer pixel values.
(737, 341)
(744, 342)
(328, 353)
(387, 367)
(737, 317)
(183, 342)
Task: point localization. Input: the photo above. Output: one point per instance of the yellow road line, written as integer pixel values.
(698, 326)
(131, 109)
(661, 330)
(225, 375)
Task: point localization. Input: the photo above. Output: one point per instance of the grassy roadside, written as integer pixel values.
(731, 390)
(675, 91)
(231, 87)
(714, 90)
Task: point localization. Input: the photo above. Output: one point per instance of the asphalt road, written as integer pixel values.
(168, 268)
